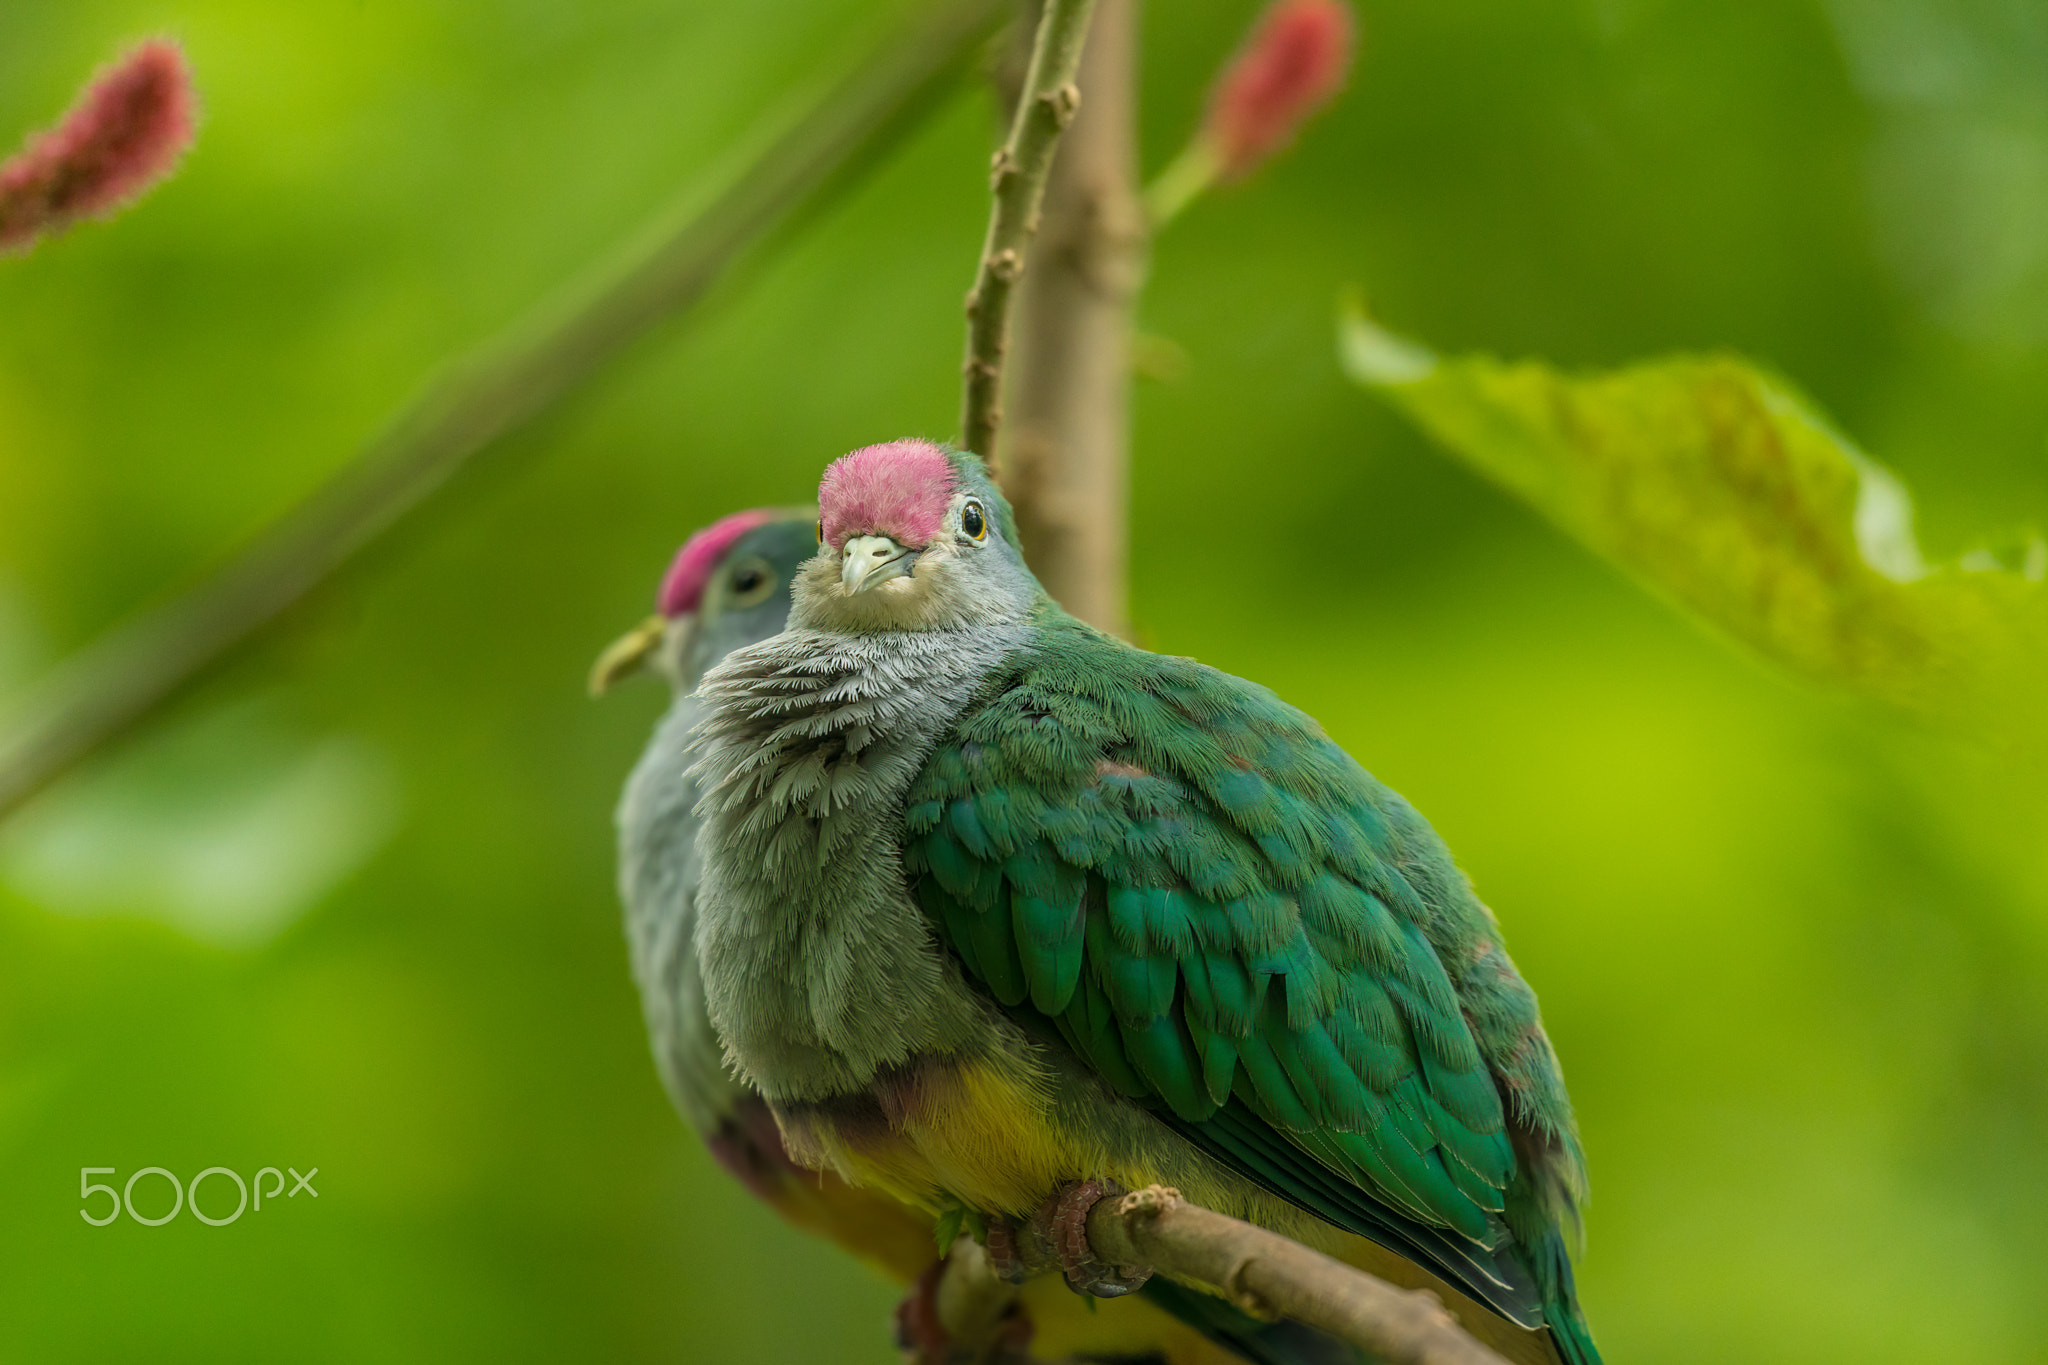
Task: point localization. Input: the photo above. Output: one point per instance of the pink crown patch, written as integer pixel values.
(900, 489)
(682, 587)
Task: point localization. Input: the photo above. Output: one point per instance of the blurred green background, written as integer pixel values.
(351, 906)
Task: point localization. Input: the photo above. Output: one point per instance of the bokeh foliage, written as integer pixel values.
(1792, 949)
(1720, 488)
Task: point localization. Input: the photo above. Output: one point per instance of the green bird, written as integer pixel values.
(728, 587)
(998, 912)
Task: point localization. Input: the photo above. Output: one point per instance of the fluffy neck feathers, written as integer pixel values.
(818, 970)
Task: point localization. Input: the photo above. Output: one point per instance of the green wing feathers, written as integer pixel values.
(1234, 924)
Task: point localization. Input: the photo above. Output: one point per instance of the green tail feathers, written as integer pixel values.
(1552, 1267)
(1569, 1333)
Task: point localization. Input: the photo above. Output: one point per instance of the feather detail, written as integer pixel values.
(1276, 955)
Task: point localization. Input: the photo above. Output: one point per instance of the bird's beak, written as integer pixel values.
(628, 654)
(869, 561)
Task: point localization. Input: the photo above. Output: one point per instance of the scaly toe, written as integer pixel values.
(1066, 1217)
(1005, 1251)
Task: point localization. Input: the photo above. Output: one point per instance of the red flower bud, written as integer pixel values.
(125, 133)
(1291, 64)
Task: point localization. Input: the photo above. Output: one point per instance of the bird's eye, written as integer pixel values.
(973, 522)
(821, 530)
(751, 581)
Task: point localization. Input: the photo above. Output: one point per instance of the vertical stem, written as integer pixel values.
(1046, 106)
(1065, 450)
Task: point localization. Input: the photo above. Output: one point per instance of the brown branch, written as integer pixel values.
(118, 680)
(1017, 180)
(973, 1303)
(1270, 1276)
(1261, 1272)
(1064, 451)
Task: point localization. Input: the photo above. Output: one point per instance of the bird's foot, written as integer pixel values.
(1065, 1217)
(1056, 1236)
(1006, 1246)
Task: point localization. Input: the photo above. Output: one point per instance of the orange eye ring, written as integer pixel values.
(973, 521)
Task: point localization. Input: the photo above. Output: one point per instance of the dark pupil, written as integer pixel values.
(970, 520)
(747, 580)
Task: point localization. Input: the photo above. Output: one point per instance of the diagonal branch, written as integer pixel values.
(1270, 1276)
(118, 680)
(1261, 1272)
(1017, 179)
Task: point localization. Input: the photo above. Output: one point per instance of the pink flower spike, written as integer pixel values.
(1294, 60)
(124, 134)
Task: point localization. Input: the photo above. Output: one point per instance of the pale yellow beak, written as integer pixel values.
(628, 654)
(870, 561)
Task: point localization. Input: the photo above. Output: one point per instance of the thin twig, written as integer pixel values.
(1270, 1276)
(1064, 450)
(1017, 179)
(114, 683)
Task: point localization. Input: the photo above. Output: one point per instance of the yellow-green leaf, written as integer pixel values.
(946, 1230)
(1728, 494)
